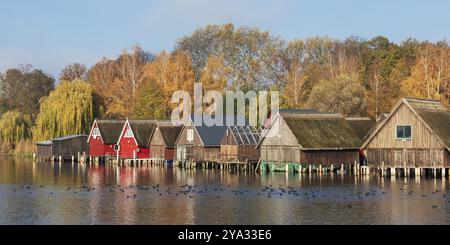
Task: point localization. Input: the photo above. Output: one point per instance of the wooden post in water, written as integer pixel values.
(382, 168)
(434, 170)
(342, 168)
(310, 169)
(392, 170)
(320, 168)
(332, 168)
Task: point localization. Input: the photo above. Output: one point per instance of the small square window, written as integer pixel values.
(403, 132)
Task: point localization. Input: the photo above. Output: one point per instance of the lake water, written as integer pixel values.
(52, 193)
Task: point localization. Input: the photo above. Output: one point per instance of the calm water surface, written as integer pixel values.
(46, 193)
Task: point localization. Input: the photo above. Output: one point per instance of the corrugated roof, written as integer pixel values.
(142, 130)
(110, 130)
(322, 131)
(435, 115)
(360, 125)
(69, 137)
(45, 143)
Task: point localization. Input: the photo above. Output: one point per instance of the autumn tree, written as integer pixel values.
(171, 72)
(73, 71)
(430, 74)
(343, 94)
(216, 74)
(253, 56)
(67, 110)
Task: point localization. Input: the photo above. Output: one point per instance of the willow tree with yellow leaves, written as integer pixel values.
(67, 110)
(14, 127)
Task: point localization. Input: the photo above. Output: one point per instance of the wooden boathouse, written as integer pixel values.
(103, 137)
(44, 149)
(162, 141)
(415, 137)
(239, 144)
(133, 142)
(68, 147)
(199, 143)
(308, 141)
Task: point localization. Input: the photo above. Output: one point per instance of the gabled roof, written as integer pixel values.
(170, 134)
(322, 131)
(211, 135)
(360, 125)
(110, 129)
(430, 112)
(142, 130)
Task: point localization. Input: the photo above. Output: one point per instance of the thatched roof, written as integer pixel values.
(435, 115)
(110, 130)
(322, 131)
(142, 130)
(170, 134)
(360, 125)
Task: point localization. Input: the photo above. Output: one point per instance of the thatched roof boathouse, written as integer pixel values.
(416, 134)
(302, 139)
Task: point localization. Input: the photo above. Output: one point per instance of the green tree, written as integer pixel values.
(67, 110)
(22, 89)
(150, 102)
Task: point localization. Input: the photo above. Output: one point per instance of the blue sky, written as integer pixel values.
(49, 34)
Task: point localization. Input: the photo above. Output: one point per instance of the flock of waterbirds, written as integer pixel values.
(269, 191)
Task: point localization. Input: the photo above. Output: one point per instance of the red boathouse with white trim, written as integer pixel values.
(134, 138)
(103, 137)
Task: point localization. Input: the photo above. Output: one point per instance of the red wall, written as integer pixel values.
(128, 145)
(98, 149)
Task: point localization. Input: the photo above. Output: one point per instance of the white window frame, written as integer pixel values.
(128, 133)
(96, 132)
(403, 125)
(190, 134)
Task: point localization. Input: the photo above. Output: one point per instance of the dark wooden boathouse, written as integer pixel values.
(44, 149)
(70, 146)
(416, 134)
